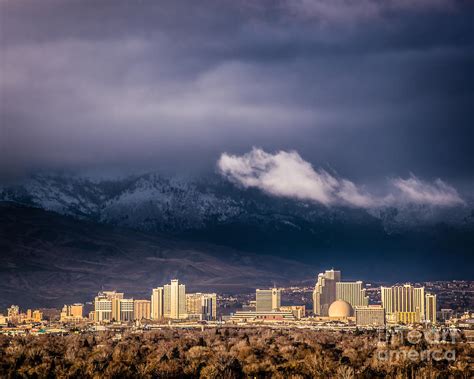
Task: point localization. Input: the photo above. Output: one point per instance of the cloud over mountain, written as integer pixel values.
(418, 191)
(286, 174)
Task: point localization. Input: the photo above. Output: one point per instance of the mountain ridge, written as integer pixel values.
(50, 259)
(213, 210)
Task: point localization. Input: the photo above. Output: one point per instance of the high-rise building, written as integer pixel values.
(202, 306)
(352, 292)
(13, 313)
(126, 310)
(107, 306)
(174, 304)
(370, 315)
(209, 306)
(324, 293)
(157, 300)
(37, 316)
(193, 304)
(142, 309)
(77, 310)
(102, 308)
(404, 299)
(268, 300)
(419, 301)
(72, 313)
(430, 308)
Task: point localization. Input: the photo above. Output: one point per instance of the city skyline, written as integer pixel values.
(332, 299)
(236, 188)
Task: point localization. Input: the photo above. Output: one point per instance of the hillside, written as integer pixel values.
(50, 259)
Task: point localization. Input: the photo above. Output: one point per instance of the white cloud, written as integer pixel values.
(286, 174)
(421, 192)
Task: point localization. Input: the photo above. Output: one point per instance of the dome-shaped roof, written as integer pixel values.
(340, 308)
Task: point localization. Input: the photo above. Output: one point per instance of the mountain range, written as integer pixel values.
(210, 214)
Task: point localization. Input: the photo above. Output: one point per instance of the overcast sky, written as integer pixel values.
(368, 89)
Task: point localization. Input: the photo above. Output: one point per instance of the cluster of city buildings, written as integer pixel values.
(334, 301)
(405, 304)
(168, 302)
(14, 316)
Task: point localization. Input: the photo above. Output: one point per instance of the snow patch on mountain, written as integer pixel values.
(152, 202)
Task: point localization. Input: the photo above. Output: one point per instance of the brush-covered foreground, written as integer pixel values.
(226, 353)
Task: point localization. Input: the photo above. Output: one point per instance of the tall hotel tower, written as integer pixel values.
(352, 292)
(325, 291)
(430, 308)
(404, 303)
(157, 303)
(174, 300)
(169, 301)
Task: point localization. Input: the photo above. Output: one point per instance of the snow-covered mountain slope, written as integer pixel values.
(212, 210)
(152, 202)
(155, 203)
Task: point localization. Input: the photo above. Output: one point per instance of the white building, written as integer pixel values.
(324, 293)
(108, 306)
(174, 300)
(157, 300)
(102, 308)
(126, 310)
(271, 316)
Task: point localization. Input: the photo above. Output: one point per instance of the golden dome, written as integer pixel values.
(340, 308)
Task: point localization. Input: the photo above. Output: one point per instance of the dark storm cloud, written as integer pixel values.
(372, 89)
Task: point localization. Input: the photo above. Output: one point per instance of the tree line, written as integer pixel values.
(226, 353)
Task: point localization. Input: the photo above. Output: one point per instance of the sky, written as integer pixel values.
(359, 95)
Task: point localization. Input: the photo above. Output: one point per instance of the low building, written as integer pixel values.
(259, 316)
(407, 317)
(370, 315)
(299, 311)
(446, 314)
